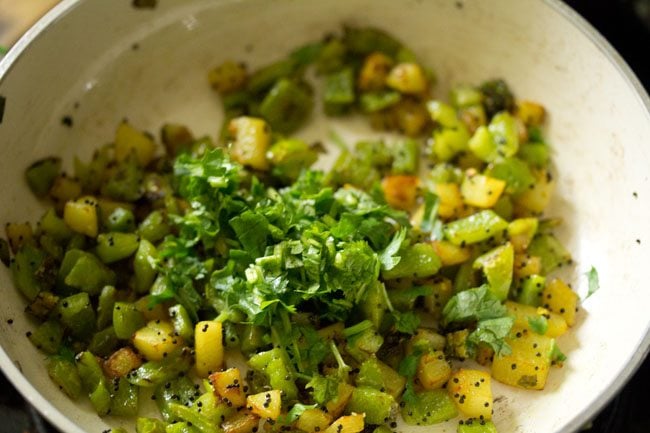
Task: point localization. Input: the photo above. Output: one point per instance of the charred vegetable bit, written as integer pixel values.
(351, 293)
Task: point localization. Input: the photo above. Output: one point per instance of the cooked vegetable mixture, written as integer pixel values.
(348, 292)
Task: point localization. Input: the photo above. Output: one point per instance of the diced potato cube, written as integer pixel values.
(410, 116)
(472, 392)
(157, 312)
(433, 370)
(65, 189)
(525, 265)
(534, 200)
(121, 362)
(401, 191)
(531, 113)
(407, 78)
(208, 347)
(336, 405)
(522, 313)
(481, 191)
(241, 422)
(81, 216)
(129, 140)
(228, 76)
(176, 138)
(313, 420)
(156, 340)
(18, 234)
(528, 364)
(229, 386)
(252, 138)
(374, 71)
(451, 200)
(353, 423)
(451, 254)
(266, 404)
(559, 298)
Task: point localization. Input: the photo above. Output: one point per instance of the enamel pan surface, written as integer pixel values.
(97, 62)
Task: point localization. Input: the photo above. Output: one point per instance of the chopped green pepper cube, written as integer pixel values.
(286, 106)
(24, 270)
(417, 261)
(550, 250)
(154, 373)
(265, 77)
(276, 367)
(339, 91)
(125, 398)
(196, 419)
(378, 406)
(475, 228)
(182, 322)
(515, 172)
(366, 40)
(154, 227)
(144, 266)
(374, 305)
(41, 174)
(365, 344)
(104, 342)
(371, 102)
(76, 313)
(94, 382)
(375, 374)
(115, 246)
(84, 271)
(54, 226)
(289, 157)
(429, 407)
(126, 184)
(64, 373)
(120, 220)
(180, 390)
(149, 425)
(47, 337)
(126, 319)
(406, 157)
(105, 304)
(535, 154)
(497, 266)
(530, 292)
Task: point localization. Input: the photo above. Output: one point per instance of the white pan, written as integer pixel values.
(102, 60)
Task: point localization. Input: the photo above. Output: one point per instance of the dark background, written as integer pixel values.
(626, 24)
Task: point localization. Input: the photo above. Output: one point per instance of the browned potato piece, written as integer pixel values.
(241, 422)
(347, 424)
(433, 370)
(401, 191)
(266, 404)
(228, 385)
(472, 392)
(121, 362)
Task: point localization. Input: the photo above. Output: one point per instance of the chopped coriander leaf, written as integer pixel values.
(593, 280)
